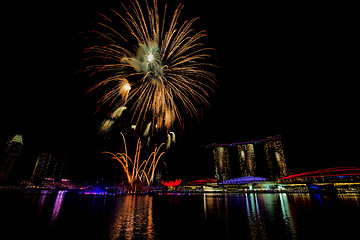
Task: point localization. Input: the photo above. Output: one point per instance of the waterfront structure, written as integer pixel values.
(49, 165)
(263, 158)
(243, 180)
(202, 185)
(336, 174)
(329, 180)
(202, 182)
(12, 153)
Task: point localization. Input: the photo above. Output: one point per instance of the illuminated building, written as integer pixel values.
(263, 158)
(247, 162)
(11, 155)
(49, 165)
(222, 167)
(275, 158)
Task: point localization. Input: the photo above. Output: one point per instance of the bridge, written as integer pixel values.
(330, 180)
(337, 172)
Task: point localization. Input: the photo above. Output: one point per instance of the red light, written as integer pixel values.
(329, 172)
(172, 183)
(202, 181)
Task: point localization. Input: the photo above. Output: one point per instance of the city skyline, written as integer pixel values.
(289, 73)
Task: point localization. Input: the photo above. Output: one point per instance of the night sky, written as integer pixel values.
(288, 69)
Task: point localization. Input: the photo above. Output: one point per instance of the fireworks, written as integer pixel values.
(138, 171)
(153, 64)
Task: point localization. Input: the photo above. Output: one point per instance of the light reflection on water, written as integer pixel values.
(288, 215)
(258, 208)
(132, 217)
(256, 224)
(66, 215)
(57, 205)
(282, 216)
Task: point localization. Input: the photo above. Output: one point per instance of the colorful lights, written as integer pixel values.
(202, 181)
(58, 203)
(172, 184)
(243, 180)
(95, 192)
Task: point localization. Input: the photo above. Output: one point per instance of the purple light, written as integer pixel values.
(57, 206)
(243, 180)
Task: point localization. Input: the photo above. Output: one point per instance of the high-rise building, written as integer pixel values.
(262, 158)
(12, 153)
(246, 156)
(49, 165)
(275, 159)
(222, 166)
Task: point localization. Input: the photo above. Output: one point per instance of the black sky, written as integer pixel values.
(288, 69)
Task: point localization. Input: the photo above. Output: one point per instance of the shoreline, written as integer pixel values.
(170, 192)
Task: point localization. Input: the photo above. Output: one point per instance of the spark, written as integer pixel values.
(147, 130)
(127, 87)
(150, 57)
(137, 171)
(170, 139)
(106, 125)
(153, 63)
(117, 113)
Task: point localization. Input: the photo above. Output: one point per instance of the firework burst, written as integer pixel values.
(153, 64)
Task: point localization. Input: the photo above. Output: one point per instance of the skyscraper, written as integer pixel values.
(12, 153)
(275, 159)
(222, 167)
(247, 162)
(49, 165)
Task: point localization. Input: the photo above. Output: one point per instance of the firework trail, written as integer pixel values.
(138, 171)
(151, 63)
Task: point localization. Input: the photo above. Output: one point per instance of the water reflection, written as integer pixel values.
(257, 211)
(256, 223)
(288, 215)
(44, 198)
(212, 204)
(208, 216)
(350, 199)
(57, 205)
(133, 217)
(46, 204)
